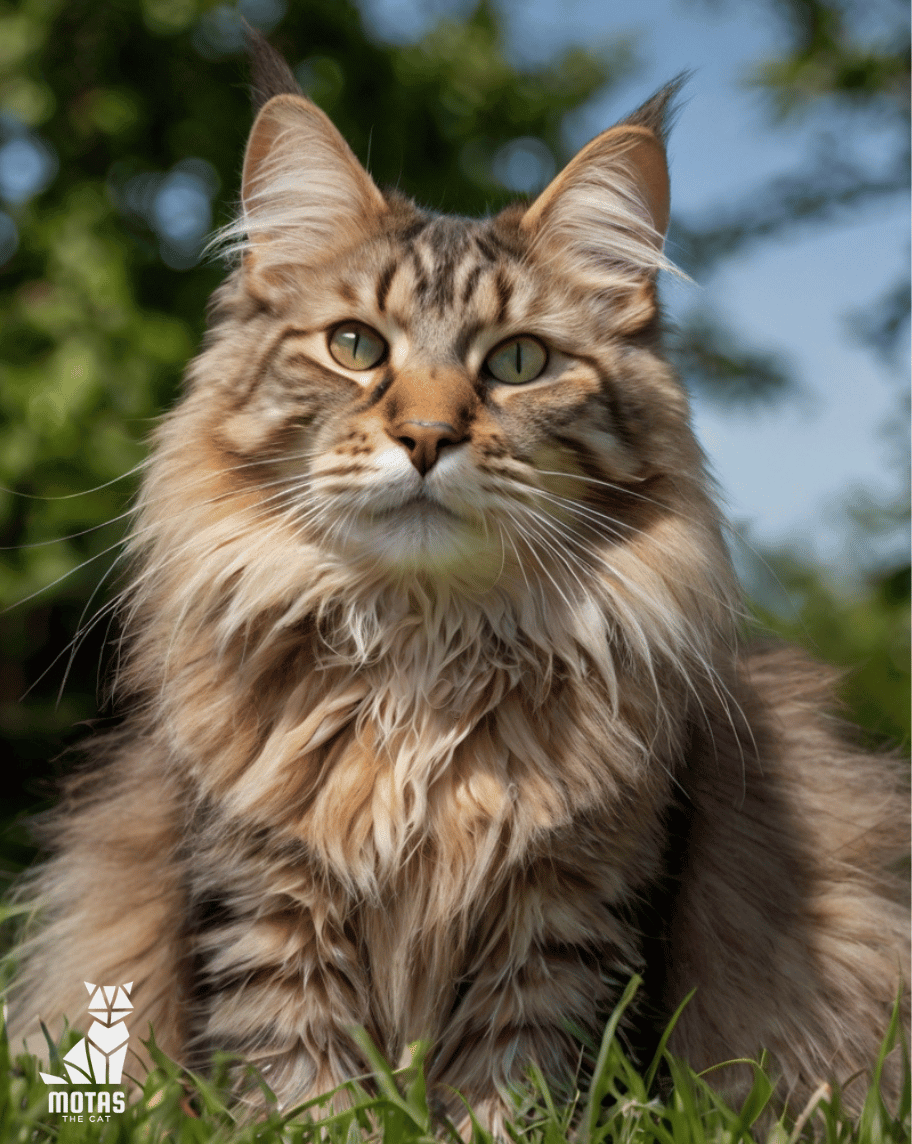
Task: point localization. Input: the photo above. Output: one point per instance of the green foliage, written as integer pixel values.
(865, 633)
(616, 1104)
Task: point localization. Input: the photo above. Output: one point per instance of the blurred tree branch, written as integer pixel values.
(834, 68)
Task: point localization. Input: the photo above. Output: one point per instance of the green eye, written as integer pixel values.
(356, 346)
(517, 361)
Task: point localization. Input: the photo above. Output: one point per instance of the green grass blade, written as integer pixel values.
(600, 1078)
(663, 1042)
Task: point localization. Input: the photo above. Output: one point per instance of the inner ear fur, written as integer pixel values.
(618, 181)
(302, 186)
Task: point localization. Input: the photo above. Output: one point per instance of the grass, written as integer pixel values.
(620, 1104)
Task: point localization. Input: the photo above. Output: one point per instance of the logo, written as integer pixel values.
(98, 1058)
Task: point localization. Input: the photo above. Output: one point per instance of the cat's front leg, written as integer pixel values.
(554, 955)
(278, 982)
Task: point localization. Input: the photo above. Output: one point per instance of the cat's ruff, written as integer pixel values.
(438, 720)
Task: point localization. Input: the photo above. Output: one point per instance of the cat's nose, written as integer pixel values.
(423, 441)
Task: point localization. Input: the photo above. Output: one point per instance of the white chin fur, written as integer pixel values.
(424, 537)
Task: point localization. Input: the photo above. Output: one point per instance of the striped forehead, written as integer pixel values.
(448, 274)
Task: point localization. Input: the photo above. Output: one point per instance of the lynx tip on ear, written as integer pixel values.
(270, 75)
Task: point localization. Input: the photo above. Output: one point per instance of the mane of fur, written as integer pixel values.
(225, 608)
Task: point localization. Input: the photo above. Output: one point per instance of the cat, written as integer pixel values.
(440, 720)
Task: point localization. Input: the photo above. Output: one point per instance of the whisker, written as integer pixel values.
(591, 515)
(690, 643)
(83, 492)
(60, 579)
(70, 536)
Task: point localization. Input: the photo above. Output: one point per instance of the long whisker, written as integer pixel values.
(112, 607)
(591, 517)
(690, 644)
(83, 492)
(70, 536)
(727, 524)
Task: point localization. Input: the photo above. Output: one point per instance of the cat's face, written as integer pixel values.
(476, 399)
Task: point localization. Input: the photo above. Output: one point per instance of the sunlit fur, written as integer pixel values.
(450, 754)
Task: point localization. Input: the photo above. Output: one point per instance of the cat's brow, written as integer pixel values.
(384, 282)
(465, 338)
(504, 295)
(471, 283)
(295, 332)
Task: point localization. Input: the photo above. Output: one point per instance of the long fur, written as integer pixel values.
(450, 753)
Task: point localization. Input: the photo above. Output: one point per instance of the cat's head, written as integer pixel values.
(477, 403)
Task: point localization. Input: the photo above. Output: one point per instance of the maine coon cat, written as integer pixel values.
(439, 723)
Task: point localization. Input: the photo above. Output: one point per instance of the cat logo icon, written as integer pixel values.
(99, 1057)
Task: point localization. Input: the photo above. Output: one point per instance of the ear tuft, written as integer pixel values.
(304, 195)
(607, 212)
(270, 75)
(659, 112)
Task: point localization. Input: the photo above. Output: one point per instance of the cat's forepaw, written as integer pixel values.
(479, 1120)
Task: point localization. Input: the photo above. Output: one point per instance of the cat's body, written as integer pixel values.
(439, 722)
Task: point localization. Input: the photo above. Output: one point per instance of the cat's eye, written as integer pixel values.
(517, 361)
(356, 346)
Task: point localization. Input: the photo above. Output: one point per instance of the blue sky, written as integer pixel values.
(784, 471)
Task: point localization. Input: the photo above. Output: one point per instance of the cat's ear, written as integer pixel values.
(304, 193)
(608, 209)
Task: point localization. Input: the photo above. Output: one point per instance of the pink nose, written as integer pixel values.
(423, 441)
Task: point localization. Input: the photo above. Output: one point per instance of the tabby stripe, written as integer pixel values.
(626, 506)
(213, 912)
(466, 337)
(486, 247)
(413, 229)
(507, 249)
(442, 293)
(384, 283)
(320, 372)
(504, 295)
(470, 283)
(266, 361)
(298, 332)
(377, 393)
(422, 285)
(259, 372)
(620, 424)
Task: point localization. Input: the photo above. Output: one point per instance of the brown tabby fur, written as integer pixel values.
(447, 736)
